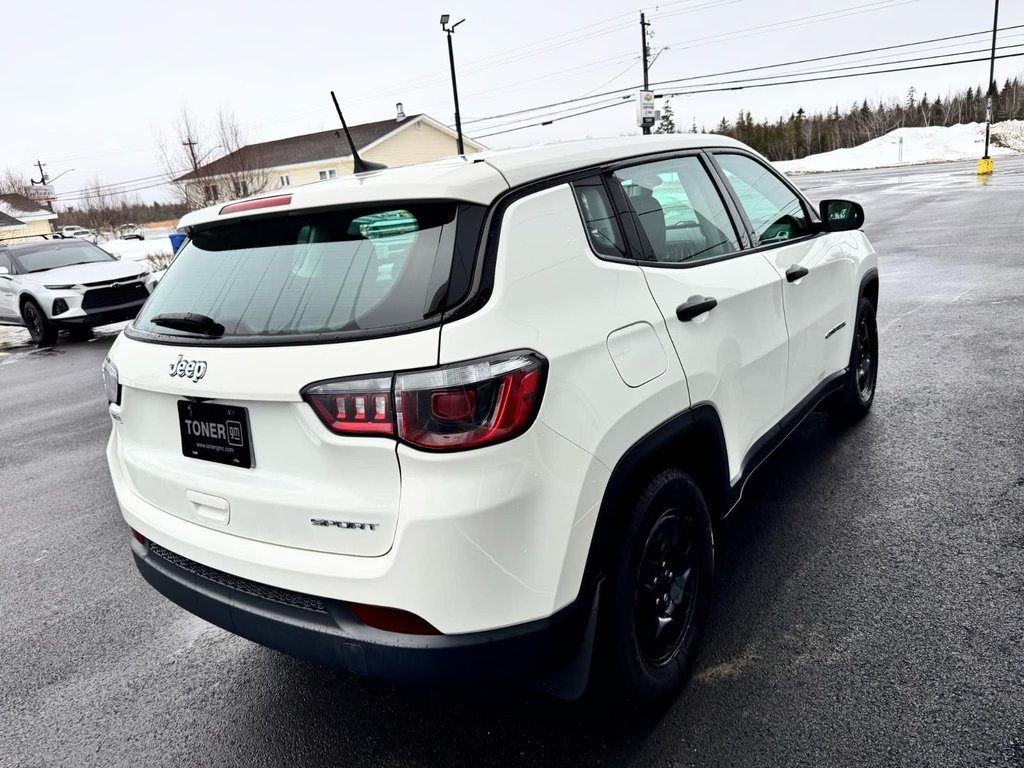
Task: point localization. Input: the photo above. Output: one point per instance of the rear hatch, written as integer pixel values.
(213, 426)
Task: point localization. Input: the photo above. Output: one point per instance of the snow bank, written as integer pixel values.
(920, 145)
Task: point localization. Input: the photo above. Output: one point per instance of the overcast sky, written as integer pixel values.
(93, 85)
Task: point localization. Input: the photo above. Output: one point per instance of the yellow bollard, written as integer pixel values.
(985, 166)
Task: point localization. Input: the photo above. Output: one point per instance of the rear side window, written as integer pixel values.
(357, 271)
(776, 213)
(598, 218)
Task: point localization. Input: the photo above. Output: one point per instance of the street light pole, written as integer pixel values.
(455, 86)
(991, 79)
(986, 165)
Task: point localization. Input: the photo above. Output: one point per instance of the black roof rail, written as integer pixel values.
(47, 236)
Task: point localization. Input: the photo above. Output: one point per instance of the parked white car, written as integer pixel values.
(74, 230)
(50, 285)
(482, 438)
(132, 232)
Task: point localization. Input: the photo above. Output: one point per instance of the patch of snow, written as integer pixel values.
(920, 145)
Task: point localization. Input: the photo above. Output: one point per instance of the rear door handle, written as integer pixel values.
(694, 306)
(795, 272)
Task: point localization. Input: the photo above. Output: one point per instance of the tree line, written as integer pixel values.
(803, 134)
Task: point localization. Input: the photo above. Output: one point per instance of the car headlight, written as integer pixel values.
(111, 382)
(59, 287)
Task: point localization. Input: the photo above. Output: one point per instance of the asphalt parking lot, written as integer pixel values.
(869, 607)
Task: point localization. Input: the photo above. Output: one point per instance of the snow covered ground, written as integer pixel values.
(157, 242)
(920, 145)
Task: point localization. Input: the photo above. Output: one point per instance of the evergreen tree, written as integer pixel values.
(667, 123)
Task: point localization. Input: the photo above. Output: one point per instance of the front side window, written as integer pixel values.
(358, 271)
(679, 210)
(776, 213)
(599, 219)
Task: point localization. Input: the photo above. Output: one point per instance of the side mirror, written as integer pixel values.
(840, 215)
(4, 271)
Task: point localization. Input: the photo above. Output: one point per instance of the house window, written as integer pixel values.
(328, 174)
(241, 188)
(283, 180)
(211, 193)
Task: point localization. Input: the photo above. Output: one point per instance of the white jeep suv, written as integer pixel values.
(475, 418)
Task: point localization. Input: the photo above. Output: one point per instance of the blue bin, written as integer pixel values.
(177, 238)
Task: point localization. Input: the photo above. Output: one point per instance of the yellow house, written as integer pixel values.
(284, 163)
(20, 217)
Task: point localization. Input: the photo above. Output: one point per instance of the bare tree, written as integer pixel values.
(240, 166)
(184, 155)
(205, 167)
(12, 181)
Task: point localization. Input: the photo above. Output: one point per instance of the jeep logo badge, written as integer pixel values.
(188, 369)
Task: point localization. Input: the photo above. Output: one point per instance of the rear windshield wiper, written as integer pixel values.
(190, 322)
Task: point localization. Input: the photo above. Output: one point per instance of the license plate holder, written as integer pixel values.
(215, 432)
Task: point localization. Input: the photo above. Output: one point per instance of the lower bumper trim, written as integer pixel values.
(295, 624)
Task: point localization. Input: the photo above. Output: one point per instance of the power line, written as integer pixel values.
(594, 97)
(837, 55)
(837, 77)
(856, 66)
(555, 120)
(753, 86)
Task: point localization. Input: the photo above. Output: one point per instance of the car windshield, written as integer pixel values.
(42, 258)
(346, 271)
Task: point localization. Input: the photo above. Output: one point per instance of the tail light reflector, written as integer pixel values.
(453, 407)
(392, 619)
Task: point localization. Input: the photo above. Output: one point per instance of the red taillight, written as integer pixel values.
(138, 536)
(252, 205)
(450, 408)
(358, 406)
(469, 405)
(392, 619)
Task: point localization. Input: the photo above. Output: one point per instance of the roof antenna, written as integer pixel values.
(358, 164)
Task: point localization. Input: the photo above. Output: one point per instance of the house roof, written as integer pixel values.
(21, 207)
(300, 149)
(9, 221)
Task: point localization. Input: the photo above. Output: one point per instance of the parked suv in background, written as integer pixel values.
(50, 285)
(469, 420)
(132, 232)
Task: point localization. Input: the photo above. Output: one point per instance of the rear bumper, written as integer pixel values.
(326, 632)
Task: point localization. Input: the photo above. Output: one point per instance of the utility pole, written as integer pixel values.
(646, 53)
(192, 151)
(986, 165)
(42, 174)
(455, 86)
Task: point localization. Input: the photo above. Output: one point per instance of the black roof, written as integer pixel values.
(9, 221)
(299, 149)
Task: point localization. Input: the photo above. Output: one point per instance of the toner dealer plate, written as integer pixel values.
(213, 432)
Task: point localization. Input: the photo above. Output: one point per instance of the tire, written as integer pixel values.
(652, 636)
(80, 334)
(854, 400)
(39, 327)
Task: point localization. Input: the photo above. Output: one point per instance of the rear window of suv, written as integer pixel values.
(313, 276)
